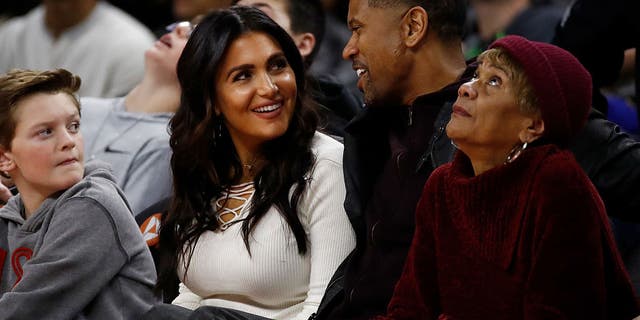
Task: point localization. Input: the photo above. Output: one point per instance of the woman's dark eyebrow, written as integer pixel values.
(240, 67)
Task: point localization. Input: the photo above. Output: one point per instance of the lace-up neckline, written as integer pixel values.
(240, 194)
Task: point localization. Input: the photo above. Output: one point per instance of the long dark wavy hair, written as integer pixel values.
(204, 161)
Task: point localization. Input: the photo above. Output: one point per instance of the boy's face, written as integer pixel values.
(46, 153)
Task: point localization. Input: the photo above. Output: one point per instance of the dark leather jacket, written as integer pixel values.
(611, 159)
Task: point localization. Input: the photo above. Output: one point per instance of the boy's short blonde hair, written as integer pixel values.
(18, 84)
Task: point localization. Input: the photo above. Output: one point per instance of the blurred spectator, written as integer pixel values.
(329, 59)
(599, 34)
(189, 9)
(91, 38)
(131, 133)
(337, 8)
(155, 14)
(493, 19)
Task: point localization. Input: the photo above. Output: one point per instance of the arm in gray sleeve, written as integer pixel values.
(148, 179)
(80, 254)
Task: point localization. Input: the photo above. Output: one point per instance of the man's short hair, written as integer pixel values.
(446, 17)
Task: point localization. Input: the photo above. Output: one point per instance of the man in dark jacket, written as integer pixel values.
(409, 62)
(410, 78)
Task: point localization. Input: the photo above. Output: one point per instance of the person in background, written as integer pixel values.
(617, 30)
(329, 60)
(304, 21)
(189, 9)
(492, 19)
(91, 38)
(131, 133)
(310, 17)
(513, 228)
(69, 246)
(256, 223)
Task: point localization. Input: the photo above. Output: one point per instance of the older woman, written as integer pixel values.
(256, 223)
(512, 228)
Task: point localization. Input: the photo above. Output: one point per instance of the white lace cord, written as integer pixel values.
(241, 192)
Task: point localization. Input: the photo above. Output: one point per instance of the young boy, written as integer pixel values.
(69, 246)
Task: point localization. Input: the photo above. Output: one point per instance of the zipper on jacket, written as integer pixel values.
(428, 154)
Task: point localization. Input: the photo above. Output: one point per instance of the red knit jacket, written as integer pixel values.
(526, 240)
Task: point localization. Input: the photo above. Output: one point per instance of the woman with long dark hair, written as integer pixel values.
(256, 223)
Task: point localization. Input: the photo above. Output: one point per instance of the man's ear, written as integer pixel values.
(534, 129)
(414, 26)
(6, 160)
(305, 43)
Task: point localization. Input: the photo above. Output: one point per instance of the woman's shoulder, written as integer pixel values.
(559, 165)
(559, 177)
(326, 148)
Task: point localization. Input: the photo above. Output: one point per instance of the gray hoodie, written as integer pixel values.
(79, 256)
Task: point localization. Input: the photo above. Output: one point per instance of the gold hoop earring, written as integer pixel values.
(515, 152)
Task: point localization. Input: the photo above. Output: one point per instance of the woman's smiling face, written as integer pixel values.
(255, 90)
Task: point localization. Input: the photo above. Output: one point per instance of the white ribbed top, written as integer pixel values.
(277, 282)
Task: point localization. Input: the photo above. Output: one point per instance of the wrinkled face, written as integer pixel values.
(374, 49)
(188, 9)
(162, 58)
(46, 154)
(256, 91)
(486, 115)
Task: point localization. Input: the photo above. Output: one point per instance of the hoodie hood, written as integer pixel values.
(11, 210)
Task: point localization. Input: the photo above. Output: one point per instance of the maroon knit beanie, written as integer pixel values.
(561, 83)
